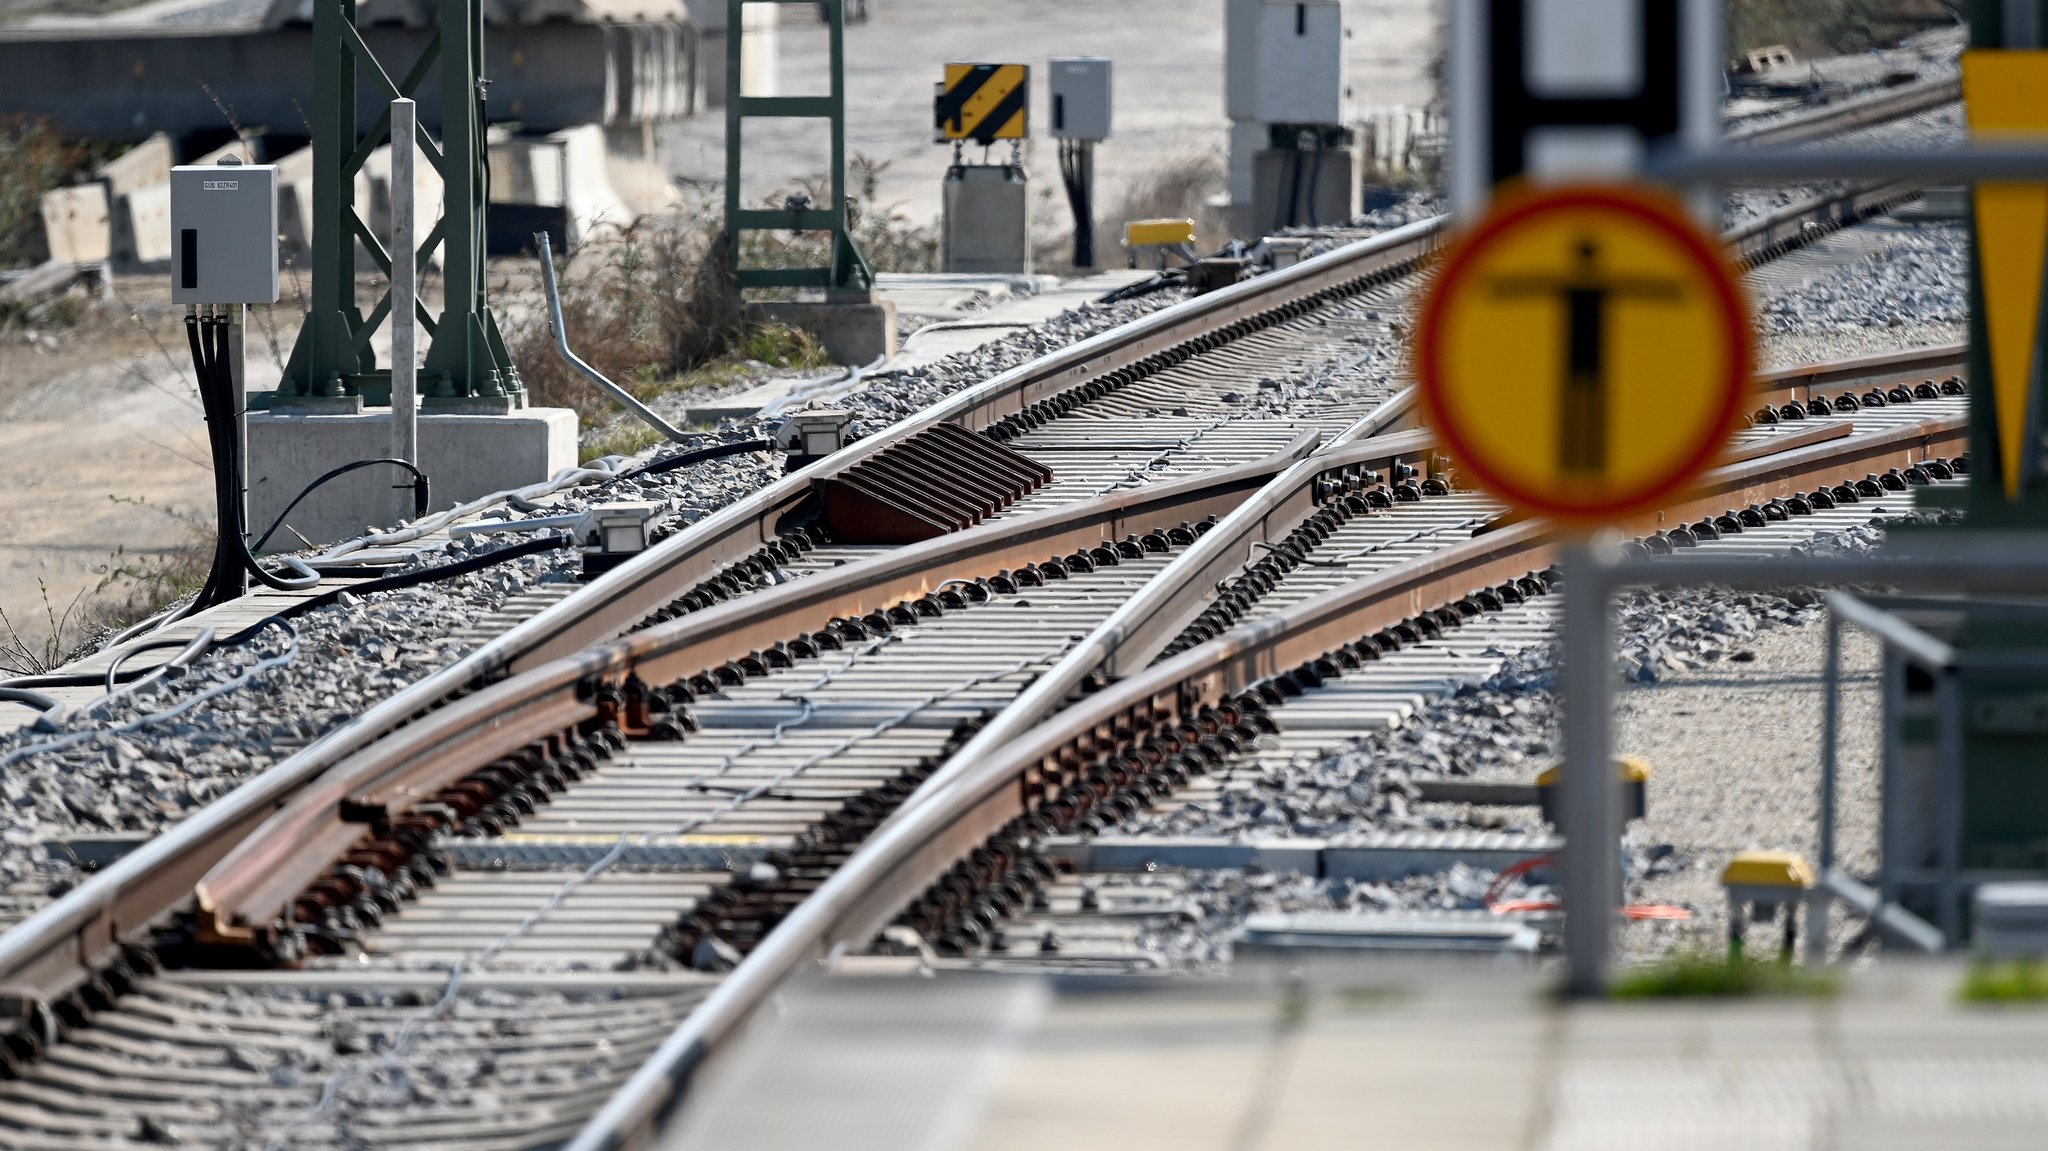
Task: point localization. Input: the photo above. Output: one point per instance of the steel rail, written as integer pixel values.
(57, 950)
(1851, 115)
(909, 853)
(1816, 381)
(259, 877)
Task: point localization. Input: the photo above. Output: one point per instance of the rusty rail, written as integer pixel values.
(924, 841)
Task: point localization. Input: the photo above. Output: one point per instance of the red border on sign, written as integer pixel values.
(1667, 216)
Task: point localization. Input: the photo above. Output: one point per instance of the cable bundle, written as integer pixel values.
(208, 336)
(1077, 172)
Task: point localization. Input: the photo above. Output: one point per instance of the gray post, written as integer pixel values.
(1592, 876)
(1949, 698)
(405, 432)
(238, 360)
(1818, 901)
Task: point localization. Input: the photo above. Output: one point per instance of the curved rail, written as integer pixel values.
(910, 852)
(57, 950)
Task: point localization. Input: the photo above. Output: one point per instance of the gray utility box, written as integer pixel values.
(1080, 97)
(224, 234)
(988, 219)
(1285, 61)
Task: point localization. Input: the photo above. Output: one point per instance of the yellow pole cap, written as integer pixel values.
(1767, 869)
(1629, 768)
(1158, 233)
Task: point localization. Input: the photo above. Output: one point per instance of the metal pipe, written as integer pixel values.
(1917, 645)
(2019, 159)
(1592, 879)
(405, 275)
(1830, 716)
(625, 398)
(1949, 725)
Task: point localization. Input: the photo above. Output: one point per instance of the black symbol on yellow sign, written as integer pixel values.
(983, 102)
(1585, 294)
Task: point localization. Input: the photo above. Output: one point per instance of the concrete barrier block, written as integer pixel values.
(466, 456)
(147, 212)
(75, 224)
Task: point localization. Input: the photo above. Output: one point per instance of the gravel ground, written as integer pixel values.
(86, 778)
(1748, 662)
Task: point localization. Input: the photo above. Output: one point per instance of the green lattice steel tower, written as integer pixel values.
(849, 270)
(467, 365)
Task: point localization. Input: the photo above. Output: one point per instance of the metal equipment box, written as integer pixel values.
(1285, 61)
(224, 234)
(1080, 97)
(987, 221)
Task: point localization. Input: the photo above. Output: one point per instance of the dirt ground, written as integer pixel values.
(103, 461)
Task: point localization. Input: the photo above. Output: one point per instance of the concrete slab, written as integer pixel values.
(1370, 1053)
(466, 456)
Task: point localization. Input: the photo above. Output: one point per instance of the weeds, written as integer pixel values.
(651, 306)
(2007, 981)
(1709, 975)
(34, 158)
(1817, 27)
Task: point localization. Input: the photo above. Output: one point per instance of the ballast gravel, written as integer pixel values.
(358, 652)
(1722, 699)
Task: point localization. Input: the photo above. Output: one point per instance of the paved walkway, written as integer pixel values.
(1369, 1058)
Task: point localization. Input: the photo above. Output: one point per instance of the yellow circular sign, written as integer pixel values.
(1585, 351)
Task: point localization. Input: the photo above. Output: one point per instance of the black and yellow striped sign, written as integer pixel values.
(984, 102)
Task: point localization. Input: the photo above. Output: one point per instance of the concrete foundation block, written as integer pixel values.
(465, 456)
(1292, 187)
(853, 332)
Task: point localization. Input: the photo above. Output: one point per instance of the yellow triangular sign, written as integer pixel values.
(2003, 93)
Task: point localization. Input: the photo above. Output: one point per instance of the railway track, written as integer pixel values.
(659, 802)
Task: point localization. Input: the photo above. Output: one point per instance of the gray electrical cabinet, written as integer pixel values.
(1080, 97)
(224, 234)
(1284, 61)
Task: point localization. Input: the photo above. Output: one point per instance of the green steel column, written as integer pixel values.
(848, 270)
(464, 358)
(735, 17)
(325, 352)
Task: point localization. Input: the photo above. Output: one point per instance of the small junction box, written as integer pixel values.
(224, 234)
(1080, 97)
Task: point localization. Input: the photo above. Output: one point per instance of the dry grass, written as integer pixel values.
(130, 593)
(34, 158)
(652, 307)
(1181, 187)
(1822, 27)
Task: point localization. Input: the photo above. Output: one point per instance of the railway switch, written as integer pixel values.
(224, 225)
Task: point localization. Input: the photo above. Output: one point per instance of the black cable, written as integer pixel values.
(695, 456)
(1171, 278)
(34, 699)
(1076, 175)
(293, 610)
(422, 491)
(231, 545)
(1315, 178)
(476, 562)
(1292, 212)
